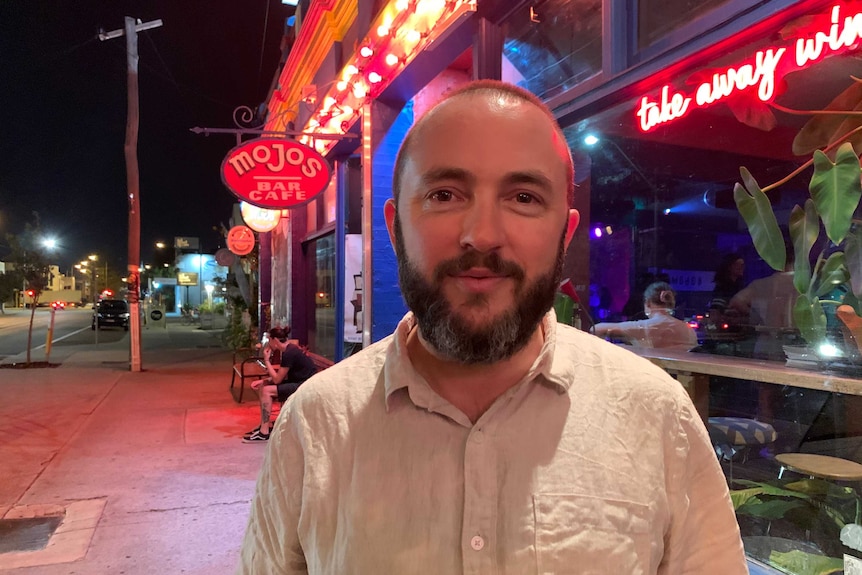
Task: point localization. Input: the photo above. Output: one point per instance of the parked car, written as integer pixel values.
(111, 313)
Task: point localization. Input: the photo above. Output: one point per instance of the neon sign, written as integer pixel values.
(760, 71)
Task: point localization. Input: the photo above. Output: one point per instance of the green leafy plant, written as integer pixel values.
(835, 194)
(239, 334)
(805, 503)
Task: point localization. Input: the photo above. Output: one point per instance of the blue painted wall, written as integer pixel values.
(387, 304)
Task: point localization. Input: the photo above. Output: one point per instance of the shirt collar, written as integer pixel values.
(399, 372)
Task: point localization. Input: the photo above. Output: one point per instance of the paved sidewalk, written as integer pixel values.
(147, 468)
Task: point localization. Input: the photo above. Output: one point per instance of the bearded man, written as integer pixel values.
(483, 437)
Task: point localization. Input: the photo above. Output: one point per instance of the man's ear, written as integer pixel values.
(390, 212)
(572, 225)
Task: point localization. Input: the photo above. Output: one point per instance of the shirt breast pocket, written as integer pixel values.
(590, 535)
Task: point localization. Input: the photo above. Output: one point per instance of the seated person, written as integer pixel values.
(295, 367)
(661, 329)
(766, 305)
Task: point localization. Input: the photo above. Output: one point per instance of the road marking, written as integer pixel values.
(62, 338)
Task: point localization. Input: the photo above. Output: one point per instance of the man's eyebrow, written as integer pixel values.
(529, 177)
(435, 175)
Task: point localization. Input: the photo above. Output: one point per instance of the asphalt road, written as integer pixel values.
(71, 327)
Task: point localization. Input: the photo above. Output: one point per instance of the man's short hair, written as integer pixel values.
(496, 88)
(279, 333)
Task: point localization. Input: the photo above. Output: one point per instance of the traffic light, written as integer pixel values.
(31, 293)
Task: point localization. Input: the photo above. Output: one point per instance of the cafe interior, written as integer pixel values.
(656, 167)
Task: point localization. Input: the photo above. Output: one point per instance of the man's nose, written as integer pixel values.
(482, 228)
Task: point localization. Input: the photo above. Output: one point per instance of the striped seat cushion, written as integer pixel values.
(740, 431)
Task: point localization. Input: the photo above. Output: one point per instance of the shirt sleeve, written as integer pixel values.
(703, 538)
(271, 544)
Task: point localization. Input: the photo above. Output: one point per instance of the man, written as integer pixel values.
(482, 437)
(766, 304)
(294, 368)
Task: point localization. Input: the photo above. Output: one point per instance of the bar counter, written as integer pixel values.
(693, 371)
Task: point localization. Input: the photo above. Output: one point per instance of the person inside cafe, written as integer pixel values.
(660, 329)
(294, 368)
(765, 306)
(482, 436)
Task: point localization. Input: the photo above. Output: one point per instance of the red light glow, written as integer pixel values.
(403, 29)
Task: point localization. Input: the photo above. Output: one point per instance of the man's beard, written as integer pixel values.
(452, 335)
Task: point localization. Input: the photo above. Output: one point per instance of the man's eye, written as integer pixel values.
(442, 196)
(525, 198)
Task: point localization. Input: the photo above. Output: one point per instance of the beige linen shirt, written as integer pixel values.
(595, 463)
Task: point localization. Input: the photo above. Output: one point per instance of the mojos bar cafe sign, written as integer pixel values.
(275, 173)
(840, 30)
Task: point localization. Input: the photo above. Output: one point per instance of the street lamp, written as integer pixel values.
(210, 288)
(95, 258)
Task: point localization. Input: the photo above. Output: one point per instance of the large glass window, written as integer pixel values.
(657, 18)
(321, 269)
(660, 171)
(553, 45)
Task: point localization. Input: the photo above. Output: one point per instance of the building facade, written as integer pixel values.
(667, 107)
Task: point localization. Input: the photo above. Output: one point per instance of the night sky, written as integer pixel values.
(63, 116)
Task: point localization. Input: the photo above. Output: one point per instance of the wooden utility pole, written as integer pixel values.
(130, 148)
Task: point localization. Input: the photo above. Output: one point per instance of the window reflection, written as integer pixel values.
(553, 45)
(321, 335)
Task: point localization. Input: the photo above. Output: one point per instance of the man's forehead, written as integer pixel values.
(477, 105)
(460, 113)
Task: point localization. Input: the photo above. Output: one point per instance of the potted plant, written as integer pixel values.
(798, 508)
(835, 279)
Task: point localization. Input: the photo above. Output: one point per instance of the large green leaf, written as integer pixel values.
(824, 129)
(809, 319)
(757, 212)
(773, 509)
(739, 497)
(802, 563)
(804, 229)
(832, 274)
(836, 189)
(853, 259)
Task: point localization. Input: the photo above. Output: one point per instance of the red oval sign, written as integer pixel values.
(275, 173)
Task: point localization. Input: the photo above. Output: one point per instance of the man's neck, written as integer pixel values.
(472, 388)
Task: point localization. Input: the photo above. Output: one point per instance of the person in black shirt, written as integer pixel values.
(294, 368)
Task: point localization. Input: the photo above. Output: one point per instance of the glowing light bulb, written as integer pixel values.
(359, 91)
(366, 52)
(382, 30)
(351, 70)
(402, 5)
(374, 77)
(347, 110)
(391, 59)
(341, 86)
(413, 36)
(828, 350)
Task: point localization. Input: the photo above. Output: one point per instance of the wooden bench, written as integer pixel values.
(248, 365)
(319, 361)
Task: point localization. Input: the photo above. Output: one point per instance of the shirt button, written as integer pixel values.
(477, 543)
(478, 436)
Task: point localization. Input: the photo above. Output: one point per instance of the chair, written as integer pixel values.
(733, 437)
(246, 365)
